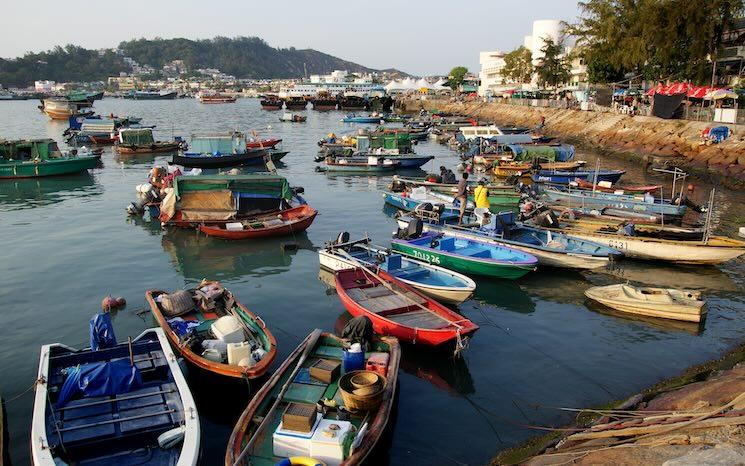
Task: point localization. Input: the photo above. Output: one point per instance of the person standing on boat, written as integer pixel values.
(462, 196)
(481, 195)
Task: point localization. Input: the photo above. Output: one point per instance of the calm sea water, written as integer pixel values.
(67, 242)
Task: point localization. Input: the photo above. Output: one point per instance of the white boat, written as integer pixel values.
(716, 250)
(665, 303)
(439, 283)
(154, 422)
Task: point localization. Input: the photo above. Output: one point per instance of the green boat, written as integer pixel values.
(32, 158)
(467, 256)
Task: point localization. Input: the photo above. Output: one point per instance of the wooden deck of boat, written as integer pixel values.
(380, 299)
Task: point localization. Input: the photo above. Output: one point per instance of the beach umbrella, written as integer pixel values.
(719, 94)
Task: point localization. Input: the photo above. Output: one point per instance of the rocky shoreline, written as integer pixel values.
(653, 141)
(695, 418)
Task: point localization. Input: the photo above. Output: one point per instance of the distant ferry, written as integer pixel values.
(153, 95)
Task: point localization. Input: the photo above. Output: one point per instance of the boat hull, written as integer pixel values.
(254, 157)
(559, 177)
(298, 220)
(546, 258)
(590, 199)
(360, 168)
(54, 167)
(446, 294)
(682, 252)
(463, 264)
(693, 313)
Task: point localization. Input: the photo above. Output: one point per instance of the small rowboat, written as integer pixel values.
(398, 310)
(638, 203)
(438, 283)
(358, 165)
(263, 143)
(635, 189)
(251, 441)
(126, 399)
(665, 303)
(505, 169)
(410, 201)
(360, 119)
(569, 176)
(254, 331)
(284, 222)
(468, 255)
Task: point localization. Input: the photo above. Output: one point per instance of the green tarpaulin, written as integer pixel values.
(258, 185)
(137, 137)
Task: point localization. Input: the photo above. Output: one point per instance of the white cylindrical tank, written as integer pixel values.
(544, 29)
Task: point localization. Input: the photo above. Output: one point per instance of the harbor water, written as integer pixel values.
(67, 242)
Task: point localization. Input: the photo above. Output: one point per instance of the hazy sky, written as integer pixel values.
(419, 37)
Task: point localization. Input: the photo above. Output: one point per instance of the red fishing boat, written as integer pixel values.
(398, 310)
(103, 139)
(584, 184)
(280, 223)
(263, 143)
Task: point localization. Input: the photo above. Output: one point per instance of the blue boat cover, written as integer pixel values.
(102, 332)
(99, 379)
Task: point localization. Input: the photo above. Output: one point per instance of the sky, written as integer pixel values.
(418, 37)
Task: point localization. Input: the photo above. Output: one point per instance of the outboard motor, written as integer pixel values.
(547, 219)
(412, 230)
(398, 186)
(342, 238)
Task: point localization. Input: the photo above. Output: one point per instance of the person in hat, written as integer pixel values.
(481, 195)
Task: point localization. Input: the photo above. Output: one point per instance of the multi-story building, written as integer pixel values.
(123, 83)
(492, 64)
(44, 86)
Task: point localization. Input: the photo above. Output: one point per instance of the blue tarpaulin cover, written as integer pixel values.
(102, 332)
(99, 379)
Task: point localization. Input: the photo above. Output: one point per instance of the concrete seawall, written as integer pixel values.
(653, 140)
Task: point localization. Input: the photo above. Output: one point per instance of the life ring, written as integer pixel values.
(300, 461)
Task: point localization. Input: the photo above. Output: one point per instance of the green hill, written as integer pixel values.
(243, 57)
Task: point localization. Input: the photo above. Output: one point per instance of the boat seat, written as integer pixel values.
(393, 262)
(304, 393)
(447, 244)
(417, 317)
(388, 301)
(474, 251)
(412, 274)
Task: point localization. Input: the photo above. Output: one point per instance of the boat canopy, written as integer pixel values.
(390, 141)
(98, 125)
(136, 136)
(258, 185)
(562, 153)
(28, 149)
(226, 143)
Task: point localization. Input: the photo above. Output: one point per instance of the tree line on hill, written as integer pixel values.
(242, 57)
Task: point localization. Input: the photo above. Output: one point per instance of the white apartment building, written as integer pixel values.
(490, 76)
(43, 86)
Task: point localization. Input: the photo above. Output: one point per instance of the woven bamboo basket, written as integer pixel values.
(354, 402)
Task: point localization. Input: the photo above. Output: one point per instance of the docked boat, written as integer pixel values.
(353, 102)
(61, 109)
(551, 248)
(211, 329)
(610, 188)
(219, 150)
(567, 177)
(141, 141)
(153, 95)
(260, 436)
(436, 282)
(270, 143)
(32, 158)
(215, 98)
(398, 310)
(324, 103)
(271, 103)
(371, 164)
(295, 103)
(638, 203)
(201, 200)
(410, 201)
(352, 118)
(123, 403)
(505, 169)
(285, 222)
(463, 255)
(664, 303)
(293, 118)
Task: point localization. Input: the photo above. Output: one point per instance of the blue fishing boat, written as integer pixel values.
(566, 177)
(463, 255)
(352, 118)
(551, 248)
(125, 403)
(412, 200)
(442, 284)
(637, 203)
(411, 160)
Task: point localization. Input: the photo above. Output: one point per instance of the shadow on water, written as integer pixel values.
(662, 275)
(142, 159)
(197, 256)
(34, 192)
(692, 328)
(446, 373)
(503, 294)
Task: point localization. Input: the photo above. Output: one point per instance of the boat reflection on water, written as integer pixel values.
(327, 278)
(34, 192)
(142, 159)
(197, 256)
(669, 276)
(556, 285)
(444, 371)
(694, 328)
(504, 294)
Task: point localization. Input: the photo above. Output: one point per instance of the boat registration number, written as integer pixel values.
(618, 244)
(432, 259)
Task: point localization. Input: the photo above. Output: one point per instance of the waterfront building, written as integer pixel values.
(44, 86)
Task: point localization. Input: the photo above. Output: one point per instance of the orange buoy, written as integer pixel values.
(109, 302)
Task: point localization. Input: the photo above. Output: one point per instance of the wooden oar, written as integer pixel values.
(312, 339)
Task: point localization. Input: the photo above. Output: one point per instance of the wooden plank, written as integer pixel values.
(420, 319)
